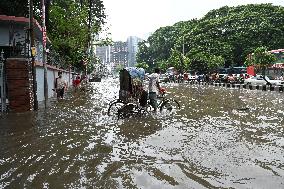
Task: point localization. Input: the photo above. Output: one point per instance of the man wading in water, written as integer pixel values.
(154, 88)
(60, 86)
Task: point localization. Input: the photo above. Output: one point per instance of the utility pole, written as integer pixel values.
(32, 37)
(89, 44)
(44, 38)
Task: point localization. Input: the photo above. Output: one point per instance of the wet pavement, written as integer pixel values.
(220, 138)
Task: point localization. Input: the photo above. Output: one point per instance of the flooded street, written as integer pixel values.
(220, 138)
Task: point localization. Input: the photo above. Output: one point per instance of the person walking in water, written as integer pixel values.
(76, 83)
(154, 88)
(60, 86)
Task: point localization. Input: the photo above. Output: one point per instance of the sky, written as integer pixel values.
(142, 17)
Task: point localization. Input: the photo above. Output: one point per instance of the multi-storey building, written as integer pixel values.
(104, 54)
(132, 43)
(119, 54)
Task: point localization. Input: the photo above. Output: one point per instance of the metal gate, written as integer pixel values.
(2, 83)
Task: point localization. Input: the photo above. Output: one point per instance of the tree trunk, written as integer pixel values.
(263, 75)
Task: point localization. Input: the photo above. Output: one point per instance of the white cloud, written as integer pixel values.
(140, 17)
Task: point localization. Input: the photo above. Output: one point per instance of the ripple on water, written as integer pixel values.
(220, 138)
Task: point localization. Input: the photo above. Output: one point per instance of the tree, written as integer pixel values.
(70, 27)
(119, 67)
(142, 65)
(260, 59)
(229, 32)
(144, 53)
(215, 62)
(243, 28)
(70, 24)
(163, 65)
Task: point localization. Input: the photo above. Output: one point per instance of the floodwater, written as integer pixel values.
(221, 138)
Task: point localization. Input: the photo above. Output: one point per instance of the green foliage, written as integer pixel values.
(90, 68)
(70, 27)
(245, 28)
(198, 61)
(142, 65)
(163, 65)
(223, 37)
(204, 62)
(119, 67)
(144, 54)
(260, 58)
(215, 62)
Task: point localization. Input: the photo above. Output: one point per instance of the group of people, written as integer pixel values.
(61, 85)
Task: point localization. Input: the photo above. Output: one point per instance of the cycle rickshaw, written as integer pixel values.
(133, 98)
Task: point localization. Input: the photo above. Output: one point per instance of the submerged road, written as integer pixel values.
(220, 138)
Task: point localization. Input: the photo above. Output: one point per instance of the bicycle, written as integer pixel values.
(165, 104)
(133, 107)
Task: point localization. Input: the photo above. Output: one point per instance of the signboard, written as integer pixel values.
(33, 51)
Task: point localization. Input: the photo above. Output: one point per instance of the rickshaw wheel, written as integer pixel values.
(114, 108)
(146, 110)
(169, 105)
(127, 110)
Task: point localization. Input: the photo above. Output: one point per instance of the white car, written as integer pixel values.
(192, 77)
(259, 80)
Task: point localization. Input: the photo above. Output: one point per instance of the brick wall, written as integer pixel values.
(19, 83)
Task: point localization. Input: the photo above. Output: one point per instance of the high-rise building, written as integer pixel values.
(132, 44)
(104, 54)
(119, 54)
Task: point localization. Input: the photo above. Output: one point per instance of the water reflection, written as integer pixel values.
(220, 138)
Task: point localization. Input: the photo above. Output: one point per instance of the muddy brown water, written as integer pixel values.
(221, 138)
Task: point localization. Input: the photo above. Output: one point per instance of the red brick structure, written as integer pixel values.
(19, 82)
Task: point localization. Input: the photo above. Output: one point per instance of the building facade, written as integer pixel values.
(132, 43)
(119, 54)
(104, 54)
(15, 47)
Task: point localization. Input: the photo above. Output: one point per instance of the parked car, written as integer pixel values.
(259, 80)
(200, 78)
(192, 77)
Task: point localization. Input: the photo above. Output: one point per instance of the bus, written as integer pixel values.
(236, 71)
(277, 68)
(279, 55)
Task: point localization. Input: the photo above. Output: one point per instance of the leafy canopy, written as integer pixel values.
(223, 37)
(70, 24)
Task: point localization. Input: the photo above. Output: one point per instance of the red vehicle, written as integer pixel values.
(278, 66)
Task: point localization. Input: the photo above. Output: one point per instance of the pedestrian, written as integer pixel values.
(154, 88)
(76, 82)
(60, 86)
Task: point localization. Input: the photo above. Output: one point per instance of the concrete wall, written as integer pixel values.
(51, 75)
(39, 80)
